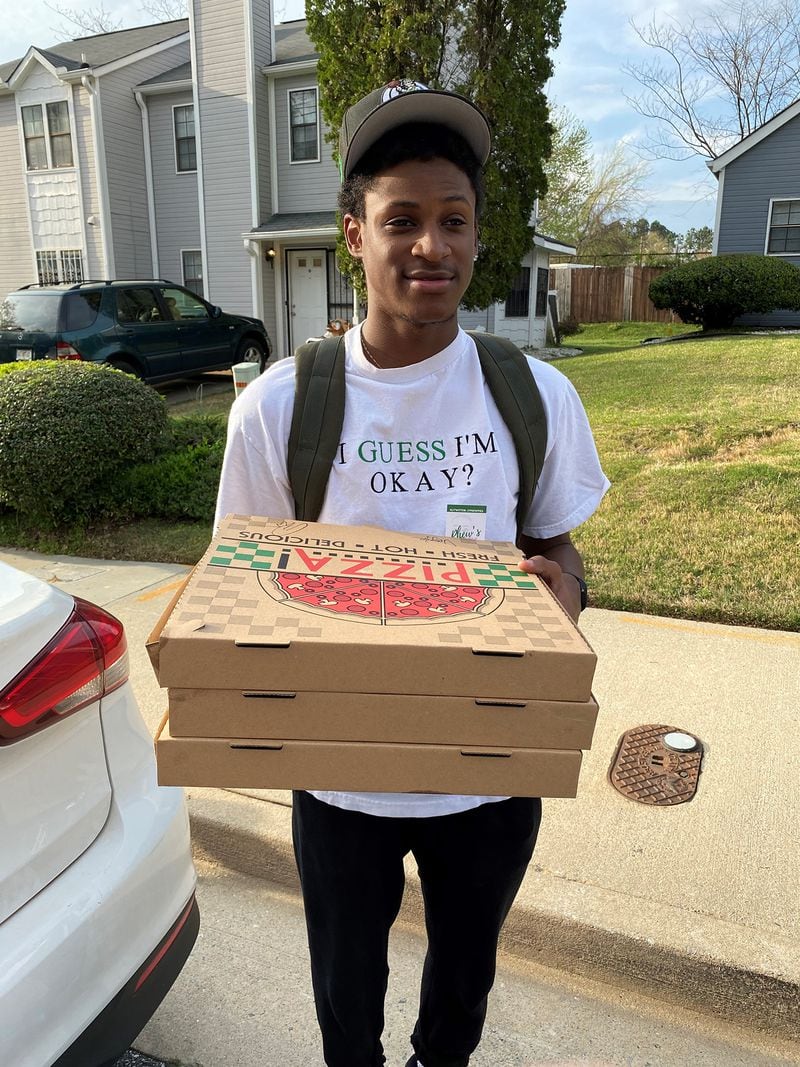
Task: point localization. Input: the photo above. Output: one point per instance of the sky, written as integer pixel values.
(596, 42)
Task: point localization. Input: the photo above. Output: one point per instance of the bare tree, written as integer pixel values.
(719, 76)
(93, 20)
(88, 21)
(165, 10)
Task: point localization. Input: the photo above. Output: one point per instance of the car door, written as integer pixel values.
(205, 341)
(146, 332)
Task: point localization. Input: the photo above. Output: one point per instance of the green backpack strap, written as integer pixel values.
(516, 394)
(317, 421)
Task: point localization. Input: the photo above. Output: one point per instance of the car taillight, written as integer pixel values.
(86, 659)
(64, 350)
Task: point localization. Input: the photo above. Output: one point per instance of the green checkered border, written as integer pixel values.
(500, 575)
(255, 556)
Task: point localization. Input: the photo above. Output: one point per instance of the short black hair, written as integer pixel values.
(423, 141)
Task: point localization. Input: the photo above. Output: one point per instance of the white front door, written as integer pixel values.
(308, 295)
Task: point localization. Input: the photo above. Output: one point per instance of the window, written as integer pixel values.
(185, 150)
(193, 271)
(542, 285)
(518, 299)
(80, 309)
(50, 148)
(303, 126)
(54, 266)
(138, 305)
(183, 306)
(783, 237)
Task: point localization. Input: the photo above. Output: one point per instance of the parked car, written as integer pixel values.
(97, 904)
(154, 329)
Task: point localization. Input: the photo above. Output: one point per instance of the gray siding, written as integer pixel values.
(221, 76)
(124, 152)
(476, 320)
(174, 193)
(94, 267)
(769, 170)
(262, 55)
(16, 250)
(270, 310)
(302, 186)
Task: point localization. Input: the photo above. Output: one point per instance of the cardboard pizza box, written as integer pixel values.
(386, 717)
(246, 763)
(296, 606)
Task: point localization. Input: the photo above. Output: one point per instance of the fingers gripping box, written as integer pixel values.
(372, 660)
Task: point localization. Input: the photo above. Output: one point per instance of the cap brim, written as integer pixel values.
(446, 109)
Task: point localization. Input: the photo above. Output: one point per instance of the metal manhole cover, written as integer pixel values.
(657, 765)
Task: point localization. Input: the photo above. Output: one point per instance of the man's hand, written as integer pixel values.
(551, 560)
(565, 589)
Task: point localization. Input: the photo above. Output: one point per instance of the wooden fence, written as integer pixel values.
(606, 294)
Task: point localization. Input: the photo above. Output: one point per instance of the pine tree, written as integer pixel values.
(497, 53)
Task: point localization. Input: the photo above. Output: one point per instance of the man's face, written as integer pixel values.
(417, 241)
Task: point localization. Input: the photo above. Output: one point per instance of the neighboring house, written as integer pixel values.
(758, 198)
(194, 151)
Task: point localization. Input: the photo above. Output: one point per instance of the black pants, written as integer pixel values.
(470, 865)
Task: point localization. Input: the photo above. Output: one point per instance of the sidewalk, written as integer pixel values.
(695, 904)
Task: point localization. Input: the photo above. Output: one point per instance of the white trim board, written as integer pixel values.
(752, 139)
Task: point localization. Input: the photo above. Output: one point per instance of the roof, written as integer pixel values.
(753, 138)
(552, 244)
(296, 224)
(103, 48)
(167, 77)
(292, 43)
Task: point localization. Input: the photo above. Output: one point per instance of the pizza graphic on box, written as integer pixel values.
(382, 602)
(377, 588)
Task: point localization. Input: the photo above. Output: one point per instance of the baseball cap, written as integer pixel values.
(402, 101)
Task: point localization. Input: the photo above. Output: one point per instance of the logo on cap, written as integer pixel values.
(400, 86)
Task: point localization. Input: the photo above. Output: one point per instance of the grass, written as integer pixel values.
(701, 440)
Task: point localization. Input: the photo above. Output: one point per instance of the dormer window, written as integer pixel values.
(48, 140)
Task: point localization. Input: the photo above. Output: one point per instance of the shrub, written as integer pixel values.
(715, 291)
(67, 431)
(176, 485)
(569, 326)
(186, 430)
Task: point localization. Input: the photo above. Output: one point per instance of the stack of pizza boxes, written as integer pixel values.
(308, 656)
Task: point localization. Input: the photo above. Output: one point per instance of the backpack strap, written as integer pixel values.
(516, 394)
(317, 421)
(318, 417)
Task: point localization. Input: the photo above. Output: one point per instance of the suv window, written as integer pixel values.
(183, 305)
(30, 310)
(80, 309)
(138, 305)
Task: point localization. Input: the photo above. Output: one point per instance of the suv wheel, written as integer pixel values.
(251, 350)
(126, 368)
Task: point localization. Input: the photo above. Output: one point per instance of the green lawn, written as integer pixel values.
(701, 440)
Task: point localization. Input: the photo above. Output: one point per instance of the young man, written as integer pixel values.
(421, 431)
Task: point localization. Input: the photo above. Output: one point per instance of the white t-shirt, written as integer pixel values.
(415, 440)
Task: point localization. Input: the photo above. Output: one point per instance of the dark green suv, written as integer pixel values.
(154, 329)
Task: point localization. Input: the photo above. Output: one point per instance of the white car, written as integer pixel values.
(97, 904)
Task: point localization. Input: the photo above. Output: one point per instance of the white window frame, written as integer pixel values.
(779, 200)
(301, 89)
(194, 252)
(175, 138)
(42, 104)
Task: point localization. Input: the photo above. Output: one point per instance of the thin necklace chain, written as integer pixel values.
(368, 353)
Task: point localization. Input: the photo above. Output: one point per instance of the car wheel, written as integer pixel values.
(126, 368)
(252, 351)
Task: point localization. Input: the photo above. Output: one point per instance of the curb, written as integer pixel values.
(743, 996)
